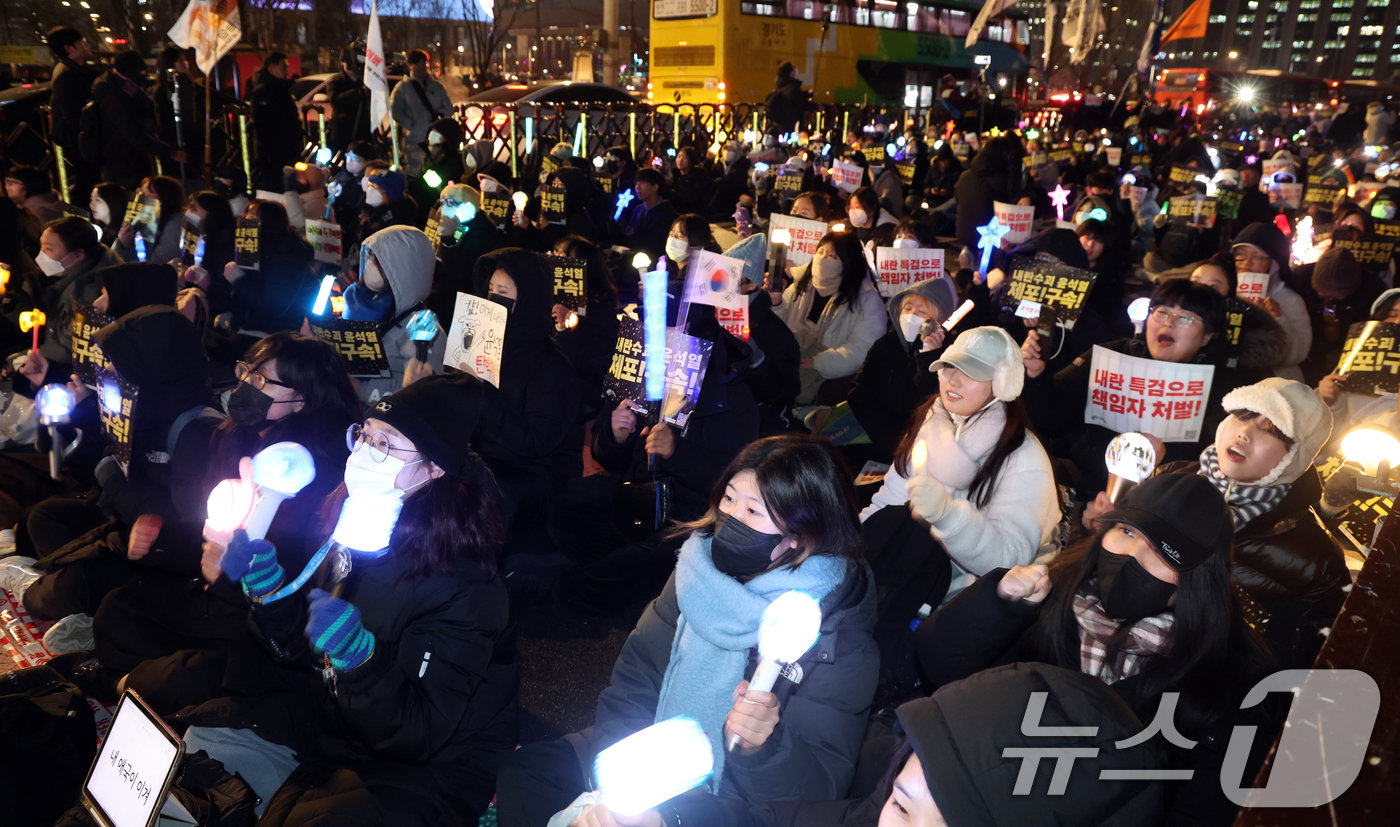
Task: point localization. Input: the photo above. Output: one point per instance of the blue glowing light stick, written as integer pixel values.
(323, 296)
(991, 233)
(422, 326)
(654, 332)
(623, 199)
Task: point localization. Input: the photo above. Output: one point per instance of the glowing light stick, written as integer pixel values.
(918, 456)
(992, 234)
(228, 508)
(640, 262)
(623, 199)
(33, 320)
(56, 404)
(598, 162)
(280, 471)
(1137, 312)
(323, 156)
(1370, 446)
(789, 627)
(422, 326)
(1304, 250)
(5, 269)
(1059, 196)
(367, 521)
(432, 179)
(653, 766)
(465, 212)
(1131, 459)
(654, 340)
(323, 296)
(199, 252)
(140, 248)
(520, 199)
(958, 315)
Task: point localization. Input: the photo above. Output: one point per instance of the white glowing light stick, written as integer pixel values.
(790, 626)
(280, 471)
(1130, 459)
(958, 316)
(1137, 312)
(653, 766)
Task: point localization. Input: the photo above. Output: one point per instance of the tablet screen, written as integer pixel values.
(127, 782)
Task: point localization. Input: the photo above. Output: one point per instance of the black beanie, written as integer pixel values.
(439, 414)
(498, 172)
(1184, 517)
(133, 286)
(1336, 272)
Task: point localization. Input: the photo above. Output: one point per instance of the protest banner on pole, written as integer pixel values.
(477, 338)
(1016, 217)
(900, 268)
(1165, 399)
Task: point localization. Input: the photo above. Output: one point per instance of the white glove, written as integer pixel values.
(928, 499)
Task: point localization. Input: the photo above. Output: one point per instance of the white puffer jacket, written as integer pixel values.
(846, 331)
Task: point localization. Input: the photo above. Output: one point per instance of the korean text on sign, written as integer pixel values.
(846, 175)
(356, 342)
(1168, 400)
(245, 243)
(1051, 283)
(570, 287)
(686, 359)
(1016, 217)
(806, 234)
(899, 269)
(86, 354)
(1370, 362)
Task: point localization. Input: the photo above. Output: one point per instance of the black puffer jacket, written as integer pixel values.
(959, 735)
(129, 131)
(1291, 566)
(276, 296)
(811, 754)
(995, 175)
(275, 121)
(452, 716)
(527, 431)
(350, 111)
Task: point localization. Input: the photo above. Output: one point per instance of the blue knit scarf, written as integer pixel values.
(1246, 501)
(717, 627)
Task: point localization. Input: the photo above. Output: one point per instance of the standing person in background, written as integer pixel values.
(127, 122)
(276, 125)
(349, 100)
(69, 90)
(787, 102)
(189, 135)
(417, 101)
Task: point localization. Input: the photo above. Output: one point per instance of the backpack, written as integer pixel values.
(90, 133)
(46, 725)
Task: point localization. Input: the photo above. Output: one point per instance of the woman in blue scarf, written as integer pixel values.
(781, 517)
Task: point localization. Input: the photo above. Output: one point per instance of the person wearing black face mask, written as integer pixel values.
(781, 517)
(1147, 606)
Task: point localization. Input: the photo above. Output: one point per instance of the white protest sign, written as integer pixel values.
(1270, 167)
(1292, 194)
(1165, 399)
(1017, 218)
(846, 176)
(1362, 191)
(1252, 286)
(476, 338)
(805, 234)
(325, 240)
(1115, 155)
(714, 279)
(130, 778)
(899, 268)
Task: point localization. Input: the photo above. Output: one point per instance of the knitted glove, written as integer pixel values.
(928, 499)
(253, 563)
(334, 627)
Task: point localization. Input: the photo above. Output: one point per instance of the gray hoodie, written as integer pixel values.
(406, 257)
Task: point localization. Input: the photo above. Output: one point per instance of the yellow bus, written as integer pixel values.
(874, 52)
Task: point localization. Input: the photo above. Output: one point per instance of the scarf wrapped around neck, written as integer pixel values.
(959, 445)
(1147, 637)
(717, 628)
(1246, 501)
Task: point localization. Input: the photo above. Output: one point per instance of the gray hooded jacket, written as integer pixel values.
(406, 257)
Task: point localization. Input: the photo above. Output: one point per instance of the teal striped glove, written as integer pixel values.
(252, 563)
(334, 627)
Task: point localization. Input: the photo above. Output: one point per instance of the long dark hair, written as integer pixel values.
(451, 526)
(218, 219)
(806, 486)
(602, 287)
(1212, 650)
(853, 266)
(985, 481)
(170, 194)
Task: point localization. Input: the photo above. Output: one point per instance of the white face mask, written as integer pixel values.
(192, 218)
(471, 162)
(906, 244)
(826, 275)
(909, 325)
(768, 140)
(434, 139)
(677, 249)
(488, 184)
(50, 266)
(374, 197)
(371, 510)
(354, 165)
(858, 216)
(101, 212)
(730, 156)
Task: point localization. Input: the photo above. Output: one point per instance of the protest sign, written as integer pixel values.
(432, 228)
(548, 164)
(1050, 283)
(605, 182)
(846, 176)
(805, 234)
(86, 354)
(842, 427)
(1183, 175)
(1036, 159)
(570, 287)
(476, 338)
(245, 243)
(628, 369)
(1252, 286)
(189, 243)
(552, 206)
(116, 405)
(1165, 399)
(1115, 155)
(1140, 159)
(142, 211)
(899, 268)
(962, 150)
(1271, 167)
(871, 472)
(906, 172)
(1235, 311)
(1290, 194)
(496, 206)
(686, 359)
(874, 155)
(325, 240)
(1016, 217)
(1190, 209)
(1061, 156)
(1370, 362)
(1227, 202)
(1372, 250)
(789, 182)
(357, 343)
(1322, 190)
